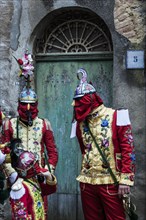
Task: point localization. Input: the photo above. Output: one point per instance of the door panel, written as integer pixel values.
(56, 83)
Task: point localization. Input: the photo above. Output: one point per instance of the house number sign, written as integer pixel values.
(135, 59)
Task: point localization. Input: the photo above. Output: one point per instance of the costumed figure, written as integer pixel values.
(4, 190)
(108, 158)
(33, 153)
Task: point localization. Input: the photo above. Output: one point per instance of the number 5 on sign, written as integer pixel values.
(135, 59)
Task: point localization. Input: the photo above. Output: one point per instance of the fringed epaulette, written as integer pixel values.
(48, 124)
(6, 124)
(123, 117)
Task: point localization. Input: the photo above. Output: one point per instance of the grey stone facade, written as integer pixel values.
(23, 20)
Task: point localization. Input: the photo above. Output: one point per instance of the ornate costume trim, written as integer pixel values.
(17, 194)
(51, 182)
(38, 205)
(31, 137)
(97, 179)
(127, 179)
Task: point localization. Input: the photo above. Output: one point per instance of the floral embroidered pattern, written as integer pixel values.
(132, 156)
(104, 130)
(129, 177)
(19, 210)
(133, 161)
(104, 143)
(105, 140)
(38, 203)
(129, 137)
(104, 122)
(88, 146)
(36, 129)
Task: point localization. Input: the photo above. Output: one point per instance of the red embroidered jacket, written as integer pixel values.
(34, 139)
(117, 143)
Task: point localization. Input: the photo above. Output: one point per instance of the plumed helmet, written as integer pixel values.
(83, 88)
(28, 95)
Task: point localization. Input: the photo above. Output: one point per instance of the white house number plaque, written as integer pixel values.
(135, 59)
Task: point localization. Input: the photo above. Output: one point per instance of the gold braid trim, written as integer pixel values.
(51, 182)
(38, 210)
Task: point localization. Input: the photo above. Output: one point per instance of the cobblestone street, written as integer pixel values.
(1, 212)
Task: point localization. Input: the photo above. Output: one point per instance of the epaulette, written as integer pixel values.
(6, 123)
(48, 124)
(123, 117)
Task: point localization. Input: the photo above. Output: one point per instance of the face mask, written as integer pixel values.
(85, 105)
(28, 111)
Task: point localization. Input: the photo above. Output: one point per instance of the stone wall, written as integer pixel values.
(130, 19)
(6, 11)
(130, 24)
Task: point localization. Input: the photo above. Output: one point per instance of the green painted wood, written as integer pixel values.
(65, 207)
(80, 215)
(71, 56)
(62, 207)
(55, 84)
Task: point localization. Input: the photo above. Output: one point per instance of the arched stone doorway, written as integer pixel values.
(66, 40)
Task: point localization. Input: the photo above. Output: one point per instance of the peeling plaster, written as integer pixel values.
(15, 28)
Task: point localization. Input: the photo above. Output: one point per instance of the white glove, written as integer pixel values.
(47, 174)
(13, 177)
(2, 157)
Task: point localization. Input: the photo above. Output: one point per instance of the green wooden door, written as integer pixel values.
(55, 84)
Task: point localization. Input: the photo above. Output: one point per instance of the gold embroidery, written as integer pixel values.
(38, 205)
(93, 170)
(31, 137)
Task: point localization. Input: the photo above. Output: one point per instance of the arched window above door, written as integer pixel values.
(74, 31)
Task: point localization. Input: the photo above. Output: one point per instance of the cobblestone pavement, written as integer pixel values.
(2, 217)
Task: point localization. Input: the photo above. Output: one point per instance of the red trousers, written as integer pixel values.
(101, 202)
